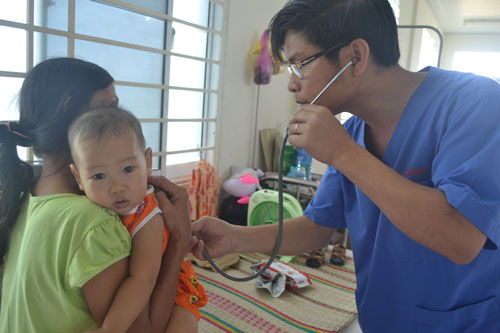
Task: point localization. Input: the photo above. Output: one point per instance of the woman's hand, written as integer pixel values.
(213, 235)
(174, 203)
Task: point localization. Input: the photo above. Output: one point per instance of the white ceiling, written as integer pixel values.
(452, 13)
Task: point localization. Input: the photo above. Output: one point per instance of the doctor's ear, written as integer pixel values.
(359, 51)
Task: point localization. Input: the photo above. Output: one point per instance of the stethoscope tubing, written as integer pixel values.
(280, 196)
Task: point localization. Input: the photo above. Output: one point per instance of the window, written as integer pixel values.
(395, 7)
(164, 55)
(429, 50)
(344, 116)
(480, 63)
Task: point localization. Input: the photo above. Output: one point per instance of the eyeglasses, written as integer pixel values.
(296, 68)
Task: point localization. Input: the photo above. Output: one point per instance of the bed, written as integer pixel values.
(328, 305)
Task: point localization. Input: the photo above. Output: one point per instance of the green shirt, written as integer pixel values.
(59, 243)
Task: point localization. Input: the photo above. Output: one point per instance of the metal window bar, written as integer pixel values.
(417, 26)
(71, 36)
(158, 15)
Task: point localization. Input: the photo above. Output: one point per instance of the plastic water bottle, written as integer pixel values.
(289, 159)
(304, 161)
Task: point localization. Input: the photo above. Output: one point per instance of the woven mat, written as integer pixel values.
(327, 305)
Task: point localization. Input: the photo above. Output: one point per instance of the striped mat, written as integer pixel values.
(327, 305)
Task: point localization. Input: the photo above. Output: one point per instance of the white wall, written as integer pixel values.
(419, 12)
(414, 12)
(406, 16)
(469, 43)
(245, 22)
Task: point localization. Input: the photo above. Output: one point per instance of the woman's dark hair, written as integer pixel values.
(324, 23)
(54, 93)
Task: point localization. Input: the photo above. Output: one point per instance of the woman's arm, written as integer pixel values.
(100, 291)
(177, 219)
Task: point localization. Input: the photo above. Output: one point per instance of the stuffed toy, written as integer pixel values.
(243, 184)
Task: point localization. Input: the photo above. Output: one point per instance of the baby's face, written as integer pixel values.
(112, 171)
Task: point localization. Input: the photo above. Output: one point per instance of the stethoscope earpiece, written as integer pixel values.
(354, 60)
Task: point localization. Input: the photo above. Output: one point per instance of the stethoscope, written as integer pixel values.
(280, 196)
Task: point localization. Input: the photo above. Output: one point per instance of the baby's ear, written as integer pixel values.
(76, 174)
(149, 160)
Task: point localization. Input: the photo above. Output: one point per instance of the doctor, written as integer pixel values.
(413, 174)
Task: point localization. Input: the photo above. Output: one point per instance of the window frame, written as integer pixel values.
(180, 171)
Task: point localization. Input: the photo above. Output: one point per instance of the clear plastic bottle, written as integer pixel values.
(289, 159)
(304, 161)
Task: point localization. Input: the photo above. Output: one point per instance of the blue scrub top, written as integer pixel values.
(448, 138)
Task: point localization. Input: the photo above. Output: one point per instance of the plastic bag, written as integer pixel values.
(263, 68)
(262, 51)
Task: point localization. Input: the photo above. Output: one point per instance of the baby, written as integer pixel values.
(111, 165)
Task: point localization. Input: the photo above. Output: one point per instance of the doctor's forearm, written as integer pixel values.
(300, 234)
(422, 213)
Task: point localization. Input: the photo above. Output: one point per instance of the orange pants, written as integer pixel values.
(190, 293)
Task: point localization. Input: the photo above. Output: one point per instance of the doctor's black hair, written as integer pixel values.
(324, 23)
(53, 93)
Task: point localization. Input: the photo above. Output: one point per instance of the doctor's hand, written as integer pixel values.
(213, 235)
(315, 129)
